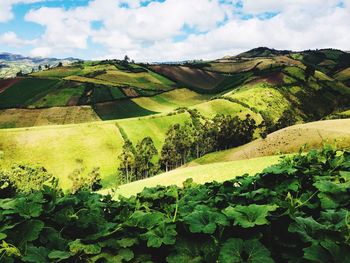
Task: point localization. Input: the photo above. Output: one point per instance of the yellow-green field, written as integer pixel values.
(155, 127)
(343, 75)
(262, 97)
(61, 149)
(169, 101)
(219, 172)
(288, 140)
(17, 118)
(221, 106)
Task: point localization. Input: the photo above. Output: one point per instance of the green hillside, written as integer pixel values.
(102, 103)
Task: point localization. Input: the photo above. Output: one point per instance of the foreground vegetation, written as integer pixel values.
(295, 211)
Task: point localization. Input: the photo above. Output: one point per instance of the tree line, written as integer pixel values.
(184, 143)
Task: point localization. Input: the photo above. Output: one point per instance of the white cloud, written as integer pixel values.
(147, 32)
(6, 8)
(11, 39)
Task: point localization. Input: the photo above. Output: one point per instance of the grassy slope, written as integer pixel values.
(155, 127)
(288, 140)
(17, 118)
(200, 174)
(171, 100)
(60, 148)
(262, 97)
(221, 106)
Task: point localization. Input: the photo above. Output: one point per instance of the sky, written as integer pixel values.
(169, 30)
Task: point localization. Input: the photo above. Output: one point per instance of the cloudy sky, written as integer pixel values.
(168, 30)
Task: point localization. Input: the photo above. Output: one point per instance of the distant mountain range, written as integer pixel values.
(12, 64)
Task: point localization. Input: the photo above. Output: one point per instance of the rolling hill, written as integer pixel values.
(100, 104)
(248, 159)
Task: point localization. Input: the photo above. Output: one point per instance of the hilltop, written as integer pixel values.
(13, 64)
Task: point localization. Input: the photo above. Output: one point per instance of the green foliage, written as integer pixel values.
(85, 182)
(23, 178)
(278, 215)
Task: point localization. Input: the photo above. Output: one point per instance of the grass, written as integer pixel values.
(219, 172)
(171, 100)
(263, 97)
(221, 106)
(26, 91)
(58, 72)
(120, 109)
(343, 75)
(142, 80)
(17, 118)
(155, 127)
(60, 97)
(61, 149)
(288, 140)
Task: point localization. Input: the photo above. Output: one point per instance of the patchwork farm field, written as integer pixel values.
(169, 101)
(17, 118)
(190, 77)
(221, 106)
(25, 91)
(120, 109)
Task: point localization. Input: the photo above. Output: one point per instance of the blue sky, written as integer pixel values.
(168, 30)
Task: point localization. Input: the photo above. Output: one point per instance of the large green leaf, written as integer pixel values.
(162, 234)
(58, 255)
(123, 255)
(236, 250)
(249, 216)
(36, 255)
(308, 229)
(204, 220)
(145, 220)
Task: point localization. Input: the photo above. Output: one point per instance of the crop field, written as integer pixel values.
(7, 83)
(191, 77)
(289, 140)
(200, 174)
(262, 97)
(60, 97)
(17, 118)
(120, 109)
(221, 106)
(155, 127)
(171, 100)
(90, 80)
(343, 75)
(142, 80)
(26, 91)
(58, 72)
(62, 149)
